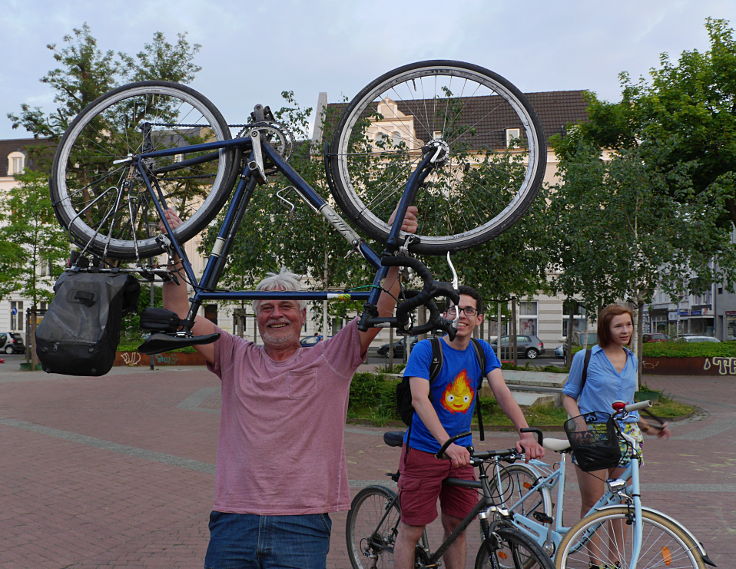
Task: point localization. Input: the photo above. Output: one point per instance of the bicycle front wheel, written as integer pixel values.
(496, 153)
(371, 528)
(511, 549)
(516, 480)
(102, 200)
(605, 539)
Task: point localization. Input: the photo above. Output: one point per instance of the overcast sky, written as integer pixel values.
(252, 50)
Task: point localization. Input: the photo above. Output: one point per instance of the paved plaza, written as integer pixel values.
(117, 471)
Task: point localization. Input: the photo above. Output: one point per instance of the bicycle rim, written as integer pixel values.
(516, 481)
(605, 539)
(514, 551)
(495, 164)
(105, 205)
(372, 524)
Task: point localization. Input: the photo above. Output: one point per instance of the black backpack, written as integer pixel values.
(81, 329)
(403, 389)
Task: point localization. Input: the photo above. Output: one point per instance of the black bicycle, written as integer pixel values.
(455, 139)
(373, 522)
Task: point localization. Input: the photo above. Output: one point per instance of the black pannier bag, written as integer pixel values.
(81, 329)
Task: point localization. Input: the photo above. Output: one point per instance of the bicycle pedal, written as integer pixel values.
(542, 518)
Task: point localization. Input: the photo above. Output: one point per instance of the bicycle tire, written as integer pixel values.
(515, 550)
(482, 189)
(368, 544)
(105, 206)
(516, 480)
(664, 544)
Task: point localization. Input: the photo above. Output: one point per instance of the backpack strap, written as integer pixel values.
(436, 366)
(481, 355)
(584, 375)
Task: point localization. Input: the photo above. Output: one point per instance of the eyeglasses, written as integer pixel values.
(468, 310)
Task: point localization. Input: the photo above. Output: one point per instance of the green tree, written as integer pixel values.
(33, 244)
(647, 189)
(683, 115)
(84, 72)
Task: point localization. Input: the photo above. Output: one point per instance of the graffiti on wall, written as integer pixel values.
(165, 359)
(131, 358)
(723, 365)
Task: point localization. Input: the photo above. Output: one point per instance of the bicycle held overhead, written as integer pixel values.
(424, 134)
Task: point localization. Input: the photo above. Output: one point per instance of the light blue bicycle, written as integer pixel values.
(617, 533)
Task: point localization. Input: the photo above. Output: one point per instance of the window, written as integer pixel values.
(512, 137)
(16, 163)
(528, 318)
(210, 312)
(580, 320)
(396, 138)
(16, 315)
(45, 268)
(381, 139)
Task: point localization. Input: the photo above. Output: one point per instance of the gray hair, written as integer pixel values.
(284, 280)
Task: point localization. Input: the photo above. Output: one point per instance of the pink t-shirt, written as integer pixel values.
(280, 448)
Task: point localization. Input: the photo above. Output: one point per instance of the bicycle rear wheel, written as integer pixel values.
(371, 528)
(106, 206)
(496, 153)
(605, 539)
(513, 550)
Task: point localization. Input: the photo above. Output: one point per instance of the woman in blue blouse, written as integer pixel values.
(611, 376)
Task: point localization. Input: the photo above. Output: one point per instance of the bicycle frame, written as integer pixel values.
(617, 492)
(482, 509)
(253, 173)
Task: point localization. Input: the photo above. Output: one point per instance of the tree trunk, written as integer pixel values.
(512, 343)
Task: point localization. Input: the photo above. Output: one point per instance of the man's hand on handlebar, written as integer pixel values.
(529, 445)
(458, 455)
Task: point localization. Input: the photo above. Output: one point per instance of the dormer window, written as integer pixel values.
(512, 137)
(16, 163)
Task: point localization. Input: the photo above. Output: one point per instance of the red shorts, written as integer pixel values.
(420, 484)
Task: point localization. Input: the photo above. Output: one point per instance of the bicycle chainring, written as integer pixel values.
(276, 134)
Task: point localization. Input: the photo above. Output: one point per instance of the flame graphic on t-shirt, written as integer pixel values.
(458, 395)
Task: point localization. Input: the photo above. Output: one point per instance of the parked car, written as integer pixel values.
(11, 343)
(694, 338)
(655, 337)
(398, 347)
(310, 341)
(527, 346)
(579, 340)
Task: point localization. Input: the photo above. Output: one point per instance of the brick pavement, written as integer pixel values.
(117, 472)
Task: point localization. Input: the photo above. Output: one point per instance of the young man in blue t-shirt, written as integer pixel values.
(444, 408)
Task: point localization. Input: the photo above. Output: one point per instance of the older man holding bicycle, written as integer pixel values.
(281, 464)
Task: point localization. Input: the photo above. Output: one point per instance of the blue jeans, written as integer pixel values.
(249, 541)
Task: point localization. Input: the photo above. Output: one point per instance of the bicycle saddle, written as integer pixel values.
(161, 342)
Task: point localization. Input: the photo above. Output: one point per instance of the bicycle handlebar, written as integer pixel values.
(621, 406)
(431, 290)
(440, 453)
(477, 458)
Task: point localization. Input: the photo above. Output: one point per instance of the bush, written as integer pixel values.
(689, 350)
(372, 398)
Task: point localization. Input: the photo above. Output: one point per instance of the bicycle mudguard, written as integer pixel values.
(673, 521)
